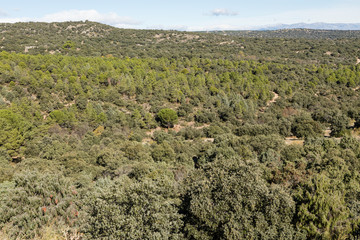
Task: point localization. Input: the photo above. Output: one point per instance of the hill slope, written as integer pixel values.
(318, 25)
(187, 139)
(298, 33)
(95, 39)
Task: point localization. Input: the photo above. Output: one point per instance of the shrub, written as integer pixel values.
(14, 129)
(130, 209)
(167, 117)
(230, 200)
(35, 200)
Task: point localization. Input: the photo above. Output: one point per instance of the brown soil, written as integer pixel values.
(293, 141)
(273, 100)
(276, 96)
(327, 132)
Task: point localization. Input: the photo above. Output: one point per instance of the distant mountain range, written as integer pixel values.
(319, 25)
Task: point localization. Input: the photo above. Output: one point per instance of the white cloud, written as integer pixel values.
(336, 15)
(347, 14)
(223, 12)
(168, 27)
(91, 15)
(327, 15)
(14, 20)
(219, 27)
(80, 15)
(206, 27)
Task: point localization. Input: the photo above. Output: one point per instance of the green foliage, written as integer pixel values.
(63, 118)
(305, 126)
(297, 46)
(68, 45)
(127, 209)
(163, 153)
(81, 102)
(86, 121)
(339, 124)
(167, 117)
(230, 200)
(35, 200)
(6, 170)
(322, 211)
(14, 130)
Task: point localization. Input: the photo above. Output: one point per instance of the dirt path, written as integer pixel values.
(177, 128)
(357, 61)
(293, 141)
(273, 100)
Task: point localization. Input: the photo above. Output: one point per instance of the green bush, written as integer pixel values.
(63, 118)
(304, 126)
(228, 199)
(35, 200)
(14, 130)
(130, 209)
(167, 117)
(322, 211)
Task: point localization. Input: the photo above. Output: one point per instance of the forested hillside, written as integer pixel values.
(174, 135)
(296, 33)
(95, 39)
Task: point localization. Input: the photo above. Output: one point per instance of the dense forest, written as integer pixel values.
(110, 133)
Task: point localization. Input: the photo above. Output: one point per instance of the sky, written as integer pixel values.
(189, 15)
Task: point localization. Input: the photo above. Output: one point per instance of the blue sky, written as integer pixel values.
(185, 14)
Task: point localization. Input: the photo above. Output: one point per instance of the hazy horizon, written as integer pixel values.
(185, 15)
